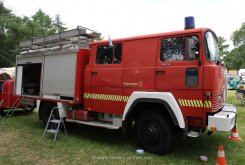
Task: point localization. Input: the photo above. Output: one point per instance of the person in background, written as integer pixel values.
(241, 89)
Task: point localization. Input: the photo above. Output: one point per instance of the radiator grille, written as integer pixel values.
(217, 101)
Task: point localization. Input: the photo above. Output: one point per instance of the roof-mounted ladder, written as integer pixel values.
(79, 36)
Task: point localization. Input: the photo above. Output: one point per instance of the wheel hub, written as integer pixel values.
(150, 132)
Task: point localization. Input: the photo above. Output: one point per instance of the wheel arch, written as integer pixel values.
(163, 102)
(152, 102)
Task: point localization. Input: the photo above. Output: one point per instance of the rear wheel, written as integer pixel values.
(46, 110)
(1, 111)
(154, 132)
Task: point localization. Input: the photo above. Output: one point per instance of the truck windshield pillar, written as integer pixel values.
(212, 47)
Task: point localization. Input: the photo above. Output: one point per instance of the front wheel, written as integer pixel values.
(154, 132)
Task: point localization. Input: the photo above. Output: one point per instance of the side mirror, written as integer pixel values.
(190, 46)
(192, 49)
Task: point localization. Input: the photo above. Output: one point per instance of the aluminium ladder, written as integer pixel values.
(80, 36)
(56, 124)
(0, 109)
(11, 111)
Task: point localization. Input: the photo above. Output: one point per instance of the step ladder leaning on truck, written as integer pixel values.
(55, 123)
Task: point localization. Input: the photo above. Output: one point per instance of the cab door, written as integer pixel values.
(106, 79)
(178, 71)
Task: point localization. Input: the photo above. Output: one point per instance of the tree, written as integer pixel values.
(58, 24)
(97, 35)
(236, 58)
(238, 37)
(13, 29)
(233, 60)
(223, 47)
(42, 24)
(5, 17)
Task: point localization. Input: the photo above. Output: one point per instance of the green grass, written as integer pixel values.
(21, 143)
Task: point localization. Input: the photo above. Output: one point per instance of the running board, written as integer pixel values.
(94, 123)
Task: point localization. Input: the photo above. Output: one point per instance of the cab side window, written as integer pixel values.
(109, 54)
(178, 48)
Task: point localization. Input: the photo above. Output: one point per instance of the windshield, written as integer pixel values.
(212, 47)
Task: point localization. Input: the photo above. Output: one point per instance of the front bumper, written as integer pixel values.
(224, 120)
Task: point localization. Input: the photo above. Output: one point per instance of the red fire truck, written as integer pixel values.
(7, 98)
(159, 85)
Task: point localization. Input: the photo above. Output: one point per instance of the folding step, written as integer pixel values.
(55, 121)
(52, 131)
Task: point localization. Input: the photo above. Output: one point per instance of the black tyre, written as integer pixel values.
(1, 111)
(154, 132)
(45, 111)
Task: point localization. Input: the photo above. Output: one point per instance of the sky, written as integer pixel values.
(125, 18)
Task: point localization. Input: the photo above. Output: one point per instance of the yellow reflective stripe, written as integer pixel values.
(205, 104)
(125, 98)
(200, 102)
(195, 103)
(180, 102)
(210, 104)
(185, 102)
(105, 97)
(191, 103)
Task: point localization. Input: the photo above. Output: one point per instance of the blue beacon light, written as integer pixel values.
(189, 22)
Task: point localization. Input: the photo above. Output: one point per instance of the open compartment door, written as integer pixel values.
(28, 76)
(18, 80)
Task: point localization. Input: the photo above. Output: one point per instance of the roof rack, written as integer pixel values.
(80, 35)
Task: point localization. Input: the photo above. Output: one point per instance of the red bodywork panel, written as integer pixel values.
(7, 97)
(82, 60)
(79, 115)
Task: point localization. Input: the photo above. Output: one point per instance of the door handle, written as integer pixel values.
(160, 71)
(94, 73)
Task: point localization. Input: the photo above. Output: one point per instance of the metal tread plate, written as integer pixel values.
(94, 123)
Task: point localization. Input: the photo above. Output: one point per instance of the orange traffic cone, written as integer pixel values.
(221, 156)
(234, 134)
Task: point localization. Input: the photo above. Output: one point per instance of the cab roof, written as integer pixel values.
(196, 30)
